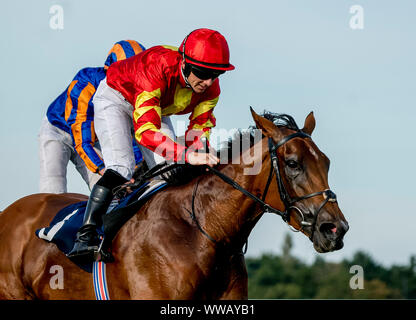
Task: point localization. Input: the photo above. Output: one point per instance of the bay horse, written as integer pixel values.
(163, 251)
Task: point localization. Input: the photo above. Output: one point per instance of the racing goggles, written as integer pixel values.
(205, 73)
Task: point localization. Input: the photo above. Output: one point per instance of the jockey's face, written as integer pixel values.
(200, 79)
(199, 85)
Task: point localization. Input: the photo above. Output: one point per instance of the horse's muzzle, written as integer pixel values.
(329, 235)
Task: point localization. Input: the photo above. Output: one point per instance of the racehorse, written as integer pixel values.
(186, 241)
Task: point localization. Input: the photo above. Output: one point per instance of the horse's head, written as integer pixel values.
(302, 182)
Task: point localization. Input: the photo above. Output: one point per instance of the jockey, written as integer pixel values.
(67, 132)
(140, 93)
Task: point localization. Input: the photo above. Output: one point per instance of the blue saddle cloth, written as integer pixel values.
(64, 226)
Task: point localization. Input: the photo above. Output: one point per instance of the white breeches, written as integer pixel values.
(113, 122)
(55, 151)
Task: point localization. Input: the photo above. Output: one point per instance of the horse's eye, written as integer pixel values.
(292, 164)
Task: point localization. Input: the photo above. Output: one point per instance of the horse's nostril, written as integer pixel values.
(328, 228)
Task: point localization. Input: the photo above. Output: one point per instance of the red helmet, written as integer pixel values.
(206, 48)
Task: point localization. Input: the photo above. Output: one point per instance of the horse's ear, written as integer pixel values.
(266, 126)
(309, 123)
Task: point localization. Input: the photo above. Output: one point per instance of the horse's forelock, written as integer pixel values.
(281, 120)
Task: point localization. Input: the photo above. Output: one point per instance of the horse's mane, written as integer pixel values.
(241, 140)
(279, 119)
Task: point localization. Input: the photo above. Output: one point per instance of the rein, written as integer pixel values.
(265, 206)
(193, 216)
(288, 202)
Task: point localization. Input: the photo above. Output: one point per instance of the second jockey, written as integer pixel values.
(67, 132)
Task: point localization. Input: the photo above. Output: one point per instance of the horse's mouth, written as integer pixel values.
(328, 245)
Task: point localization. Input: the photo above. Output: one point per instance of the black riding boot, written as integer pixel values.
(87, 241)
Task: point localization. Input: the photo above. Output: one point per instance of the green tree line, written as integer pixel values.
(287, 277)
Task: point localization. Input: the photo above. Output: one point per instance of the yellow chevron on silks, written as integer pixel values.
(207, 124)
(204, 107)
(138, 112)
(206, 134)
(143, 128)
(146, 95)
(181, 100)
(173, 48)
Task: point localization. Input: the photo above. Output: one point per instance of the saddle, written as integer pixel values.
(63, 228)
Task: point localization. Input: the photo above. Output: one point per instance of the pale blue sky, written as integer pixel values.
(291, 56)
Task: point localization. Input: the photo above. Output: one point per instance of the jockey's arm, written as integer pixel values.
(197, 135)
(147, 122)
(201, 121)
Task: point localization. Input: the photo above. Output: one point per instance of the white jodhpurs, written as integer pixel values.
(55, 151)
(113, 122)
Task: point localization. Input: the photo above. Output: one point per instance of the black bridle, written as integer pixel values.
(289, 202)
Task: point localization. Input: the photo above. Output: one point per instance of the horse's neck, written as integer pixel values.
(230, 215)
